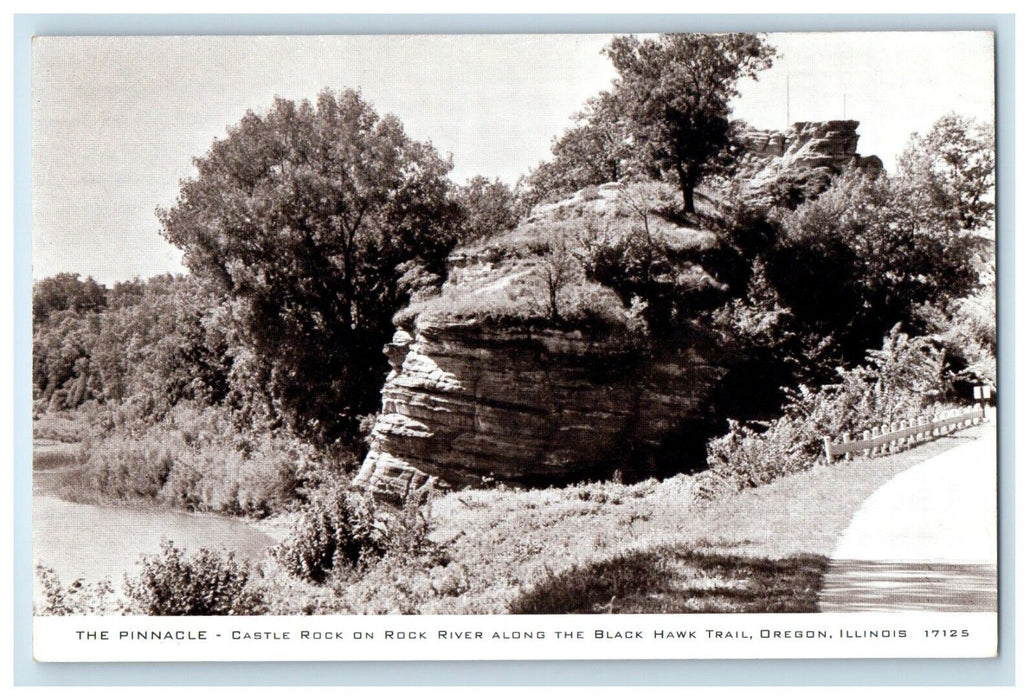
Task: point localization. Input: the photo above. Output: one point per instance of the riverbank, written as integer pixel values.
(599, 547)
(651, 547)
(99, 539)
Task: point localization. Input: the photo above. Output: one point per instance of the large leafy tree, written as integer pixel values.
(488, 207)
(596, 149)
(307, 217)
(675, 93)
(857, 260)
(951, 170)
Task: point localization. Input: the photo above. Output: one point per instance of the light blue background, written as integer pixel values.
(999, 671)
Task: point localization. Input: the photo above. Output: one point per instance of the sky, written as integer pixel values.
(116, 121)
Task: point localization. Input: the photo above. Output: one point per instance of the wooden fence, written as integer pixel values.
(903, 435)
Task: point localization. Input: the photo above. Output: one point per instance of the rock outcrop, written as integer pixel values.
(476, 399)
(465, 405)
(801, 161)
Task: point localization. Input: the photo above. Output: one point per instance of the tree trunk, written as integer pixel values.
(687, 182)
(688, 197)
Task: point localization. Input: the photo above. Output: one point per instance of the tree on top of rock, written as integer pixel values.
(675, 92)
(594, 150)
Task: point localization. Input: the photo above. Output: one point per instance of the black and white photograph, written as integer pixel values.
(514, 346)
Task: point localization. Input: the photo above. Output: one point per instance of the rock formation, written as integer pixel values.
(465, 405)
(802, 159)
(470, 402)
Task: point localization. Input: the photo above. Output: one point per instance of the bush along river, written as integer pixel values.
(93, 542)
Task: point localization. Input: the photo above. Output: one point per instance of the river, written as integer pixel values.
(80, 540)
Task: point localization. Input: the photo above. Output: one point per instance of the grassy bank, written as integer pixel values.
(605, 547)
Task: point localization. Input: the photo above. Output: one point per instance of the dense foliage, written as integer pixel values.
(206, 583)
(337, 529)
(487, 208)
(859, 259)
(306, 218)
(902, 380)
(154, 343)
(953, 170)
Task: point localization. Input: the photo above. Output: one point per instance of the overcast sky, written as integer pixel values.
(116, 121)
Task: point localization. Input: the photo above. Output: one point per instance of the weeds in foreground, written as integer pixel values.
(79, 598)
(169, 583)
(207, 583)
(337, 529)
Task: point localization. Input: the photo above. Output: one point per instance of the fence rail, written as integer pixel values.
(902, 435)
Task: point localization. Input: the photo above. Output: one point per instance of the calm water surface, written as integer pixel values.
(79, 540)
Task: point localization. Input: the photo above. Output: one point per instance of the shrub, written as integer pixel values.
(207, 583)
(407, 531)
(637, 266)
(900, 381)
(337, 528)
(79, 598)
(196, 460)
(745, 458)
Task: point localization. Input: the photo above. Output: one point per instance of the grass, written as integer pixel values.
(679, 579)
(48, 455)
(656, 546)
(61, 426)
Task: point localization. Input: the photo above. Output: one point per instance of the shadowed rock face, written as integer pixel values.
(473, 406)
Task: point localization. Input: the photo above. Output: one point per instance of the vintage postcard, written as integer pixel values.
(674, 346)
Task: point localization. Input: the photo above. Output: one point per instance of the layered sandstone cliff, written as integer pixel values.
(474, 406)
(806, 156)
(478, 398)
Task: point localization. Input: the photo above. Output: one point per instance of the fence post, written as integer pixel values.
(886, 447)
(867, 451)
(845, 441)
(827, 449)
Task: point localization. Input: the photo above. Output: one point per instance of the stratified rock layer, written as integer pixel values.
(473, 406)
(806, 156)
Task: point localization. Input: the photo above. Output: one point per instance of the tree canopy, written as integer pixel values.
(675, 94)
(307, 217)
(488, 207)
(596, 149)
(952, 169)
(65, 291)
